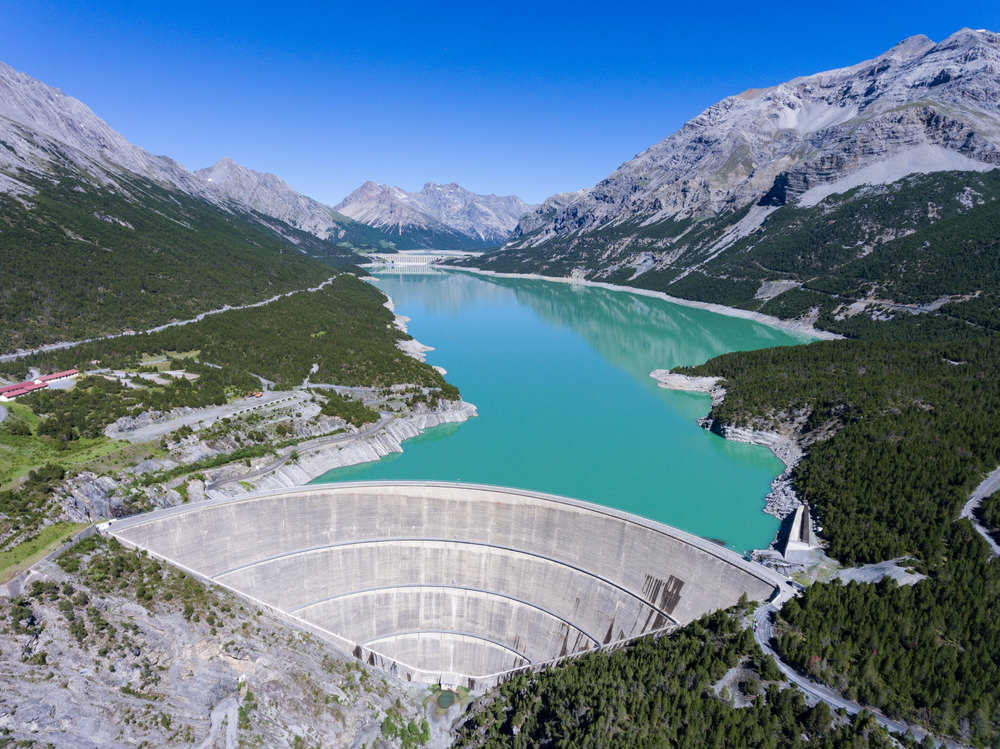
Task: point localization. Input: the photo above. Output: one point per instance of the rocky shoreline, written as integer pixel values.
(691, 384)
(782, 500)
(318, 461)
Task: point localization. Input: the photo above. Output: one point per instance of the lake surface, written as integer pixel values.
(560, 376)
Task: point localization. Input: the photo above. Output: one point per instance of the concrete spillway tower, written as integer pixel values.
(451, 583)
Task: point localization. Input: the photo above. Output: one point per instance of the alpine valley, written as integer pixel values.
(101, 236)
(172, 336)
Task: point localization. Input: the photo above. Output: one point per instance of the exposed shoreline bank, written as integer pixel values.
(313, 462)
(790, 326)
(782, 500)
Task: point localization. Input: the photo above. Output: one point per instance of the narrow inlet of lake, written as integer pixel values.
(560, 376)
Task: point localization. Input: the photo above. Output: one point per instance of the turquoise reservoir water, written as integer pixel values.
(560, 376)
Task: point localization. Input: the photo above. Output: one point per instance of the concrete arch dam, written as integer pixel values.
(450, 583)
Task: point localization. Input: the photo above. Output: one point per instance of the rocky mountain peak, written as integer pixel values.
(447, 209)
(910, 47)
(270, 195)
(37, 120)
(451, 186)
(919, 107)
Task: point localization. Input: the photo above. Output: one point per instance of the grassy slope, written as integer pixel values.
(27, 553)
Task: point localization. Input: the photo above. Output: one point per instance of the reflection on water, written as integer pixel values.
(560, 375)
(634, 331)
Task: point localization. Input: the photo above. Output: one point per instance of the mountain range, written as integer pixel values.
(42, 127)
(843, 197)
(819, 189)
(98, 235)
(443, 216)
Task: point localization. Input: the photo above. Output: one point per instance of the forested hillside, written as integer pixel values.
(900, 433)
(897, 434)
(659, 692)
(343, 329)
(81, 260)
(340, 334)
(925, 242)
(926, 652)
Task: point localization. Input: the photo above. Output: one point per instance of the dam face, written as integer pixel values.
(450, 583)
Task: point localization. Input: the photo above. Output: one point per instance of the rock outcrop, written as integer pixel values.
(442, 213)
(920, 107)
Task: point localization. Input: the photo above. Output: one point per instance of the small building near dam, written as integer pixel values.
(457, 584)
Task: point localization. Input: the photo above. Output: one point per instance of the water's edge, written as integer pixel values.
(790, 326)
(638, 349)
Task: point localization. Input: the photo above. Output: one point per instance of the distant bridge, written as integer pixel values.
(415, 258)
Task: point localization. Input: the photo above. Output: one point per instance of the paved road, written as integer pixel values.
(3, 413)
(301, 449)
(989, 485)
(176, 323)
(209, 416)
(763, 618)
(368, 395)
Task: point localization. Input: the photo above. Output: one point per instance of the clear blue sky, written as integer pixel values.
(514, 98)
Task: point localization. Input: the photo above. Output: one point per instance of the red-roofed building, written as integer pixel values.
(21, 389)
(57, 376)
(9, 392)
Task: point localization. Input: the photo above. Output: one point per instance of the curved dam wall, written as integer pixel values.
(451, 583)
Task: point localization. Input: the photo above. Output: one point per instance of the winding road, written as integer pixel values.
(763, 618)
(174, 324)
(988, 486)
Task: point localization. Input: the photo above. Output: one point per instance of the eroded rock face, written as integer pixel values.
(154, 660)
(920, 107)
(88, 497)
(272, 196)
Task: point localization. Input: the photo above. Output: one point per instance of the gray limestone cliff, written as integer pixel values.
(42, 128)
(272, 196)
(920, 107)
